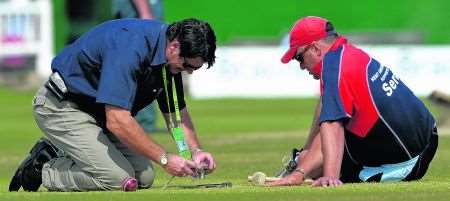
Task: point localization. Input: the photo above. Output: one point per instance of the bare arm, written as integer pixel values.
(125, 127)
(143, 8)
(311, 159)
(314, 130)
(310, 165)
(322, 156)
(332, 137)
(323, 159)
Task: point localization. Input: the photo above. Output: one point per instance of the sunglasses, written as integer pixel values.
(299, 56)
(188, 65)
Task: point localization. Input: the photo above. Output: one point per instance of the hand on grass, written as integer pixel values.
(327, 182)
(294, 179)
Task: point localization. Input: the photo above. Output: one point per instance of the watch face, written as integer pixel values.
(163, 159)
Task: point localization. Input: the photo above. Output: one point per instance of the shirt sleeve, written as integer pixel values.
(333, 93)
(162, 100)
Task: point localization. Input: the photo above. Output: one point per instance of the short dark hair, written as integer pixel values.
(196, 38)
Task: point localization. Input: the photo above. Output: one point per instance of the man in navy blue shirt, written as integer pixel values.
(87, 107)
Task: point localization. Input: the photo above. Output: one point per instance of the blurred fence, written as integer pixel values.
(256, 71)
(25, 37)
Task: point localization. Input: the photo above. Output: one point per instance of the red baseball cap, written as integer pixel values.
(305, 31)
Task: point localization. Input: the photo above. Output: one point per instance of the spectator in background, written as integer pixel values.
(144, 9)
(368, 125)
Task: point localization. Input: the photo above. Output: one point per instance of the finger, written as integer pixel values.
(316, 182)
(210, 169)
(179, 173)
(320, 183)
(188, 171)
(192, 165)
(332, 183)
(337, 182)
(210, 161)
(203, 160)
(198, 159)
(281, 182)
(213, 167)
(173, 172)
(273, 183)
(212, 164)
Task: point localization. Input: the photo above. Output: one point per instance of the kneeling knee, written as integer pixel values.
(119, 181)
(145, 178)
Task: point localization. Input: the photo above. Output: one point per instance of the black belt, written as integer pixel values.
(57, 87)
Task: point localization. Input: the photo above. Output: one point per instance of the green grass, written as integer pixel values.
(245, 135)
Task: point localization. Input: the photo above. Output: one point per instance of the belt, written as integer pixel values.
(57, 87)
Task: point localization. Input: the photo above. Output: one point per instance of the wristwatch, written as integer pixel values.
(197, 150)
(164, 159)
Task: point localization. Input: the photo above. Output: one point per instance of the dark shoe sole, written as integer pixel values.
(17, 180)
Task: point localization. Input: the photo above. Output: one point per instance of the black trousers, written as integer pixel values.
(350, 171)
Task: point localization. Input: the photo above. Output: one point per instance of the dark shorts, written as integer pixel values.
(350, 170)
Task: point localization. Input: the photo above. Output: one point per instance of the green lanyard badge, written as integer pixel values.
(177, 132)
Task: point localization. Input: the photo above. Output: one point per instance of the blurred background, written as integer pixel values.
(410, 36)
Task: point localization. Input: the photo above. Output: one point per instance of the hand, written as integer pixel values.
(204, 160)
(295, 178)
(327, 182)
(179, 166)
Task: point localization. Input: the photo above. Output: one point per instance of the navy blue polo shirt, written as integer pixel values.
(119, 63)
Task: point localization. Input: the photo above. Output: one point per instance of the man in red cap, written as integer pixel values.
(368, 125)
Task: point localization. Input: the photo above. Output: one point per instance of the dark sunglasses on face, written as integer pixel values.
(187, 65)
(299, 56)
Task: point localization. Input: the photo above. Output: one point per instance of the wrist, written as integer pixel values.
(300, 171)
(331, 172)
(196, 150)
(164, 159)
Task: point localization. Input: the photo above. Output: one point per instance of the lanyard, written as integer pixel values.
(175, 100)
(177, 132)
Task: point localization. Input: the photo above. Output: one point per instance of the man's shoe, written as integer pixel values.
(29, 174)
(289, 164)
